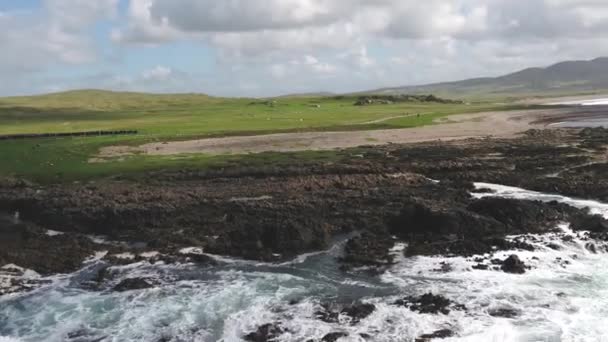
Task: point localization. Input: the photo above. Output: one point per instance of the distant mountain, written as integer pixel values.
(565, 77)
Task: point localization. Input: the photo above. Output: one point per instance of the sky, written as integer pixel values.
(273, 47)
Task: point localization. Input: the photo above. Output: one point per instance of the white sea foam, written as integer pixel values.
(192, 250)
(563, 297)
(518, 193)
(125, 256)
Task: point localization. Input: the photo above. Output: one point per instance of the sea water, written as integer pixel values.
(584, 122)
(564, 297)
(593, 102)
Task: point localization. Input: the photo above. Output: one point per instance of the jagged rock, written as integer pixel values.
(357, 312)
(513, 265)
(333, 337)
(330, 313)
(443, 333)
(593, 223)
(265, 333)
(368, 249)
(29, 246)
(429, 304)
(522, 216)
(591, 247)
(504, 313)
(132, 284)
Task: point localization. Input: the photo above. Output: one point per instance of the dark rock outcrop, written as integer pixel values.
(29, 246)
(504, 313)
(522, 216)
(443, 333)
(593, 223)
(265, 333)
(513, 265)
(133, 284)
(333, 337)
(368, 249)
(429, 304)
(330, 313)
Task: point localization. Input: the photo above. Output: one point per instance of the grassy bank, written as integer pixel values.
(180, 117)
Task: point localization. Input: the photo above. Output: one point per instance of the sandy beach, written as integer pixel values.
(487, 124)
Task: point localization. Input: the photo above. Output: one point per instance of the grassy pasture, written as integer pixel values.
(179, 117)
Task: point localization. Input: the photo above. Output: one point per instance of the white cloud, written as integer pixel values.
(243, 15)
(141, 28)
(158, 73)
(57, 33)
(269, 20)
(60, 32)
(337, 45)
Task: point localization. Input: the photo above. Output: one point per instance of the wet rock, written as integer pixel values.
(357, 312)
(15, 279)
(330, 313)
(513, 265)
(447, 231)
(593, 223)
(420, 222)
(29, 246)
(429, 304)
(84, 335)
(264, 239)
(481, 267)
(444, 267)
(197, 258)
(504, 313)
(133, 284)
(591, 247)
(368, 249)
(465, 247)
(521, 216)
(439, 334)
(333, 337)
(265, 333)
(98, 279)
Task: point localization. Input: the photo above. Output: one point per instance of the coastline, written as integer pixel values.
(169, 211)
(392, 204)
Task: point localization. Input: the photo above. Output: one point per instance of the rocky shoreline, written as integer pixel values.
(415, 195)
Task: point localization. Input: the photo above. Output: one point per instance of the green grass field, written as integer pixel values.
(180, 117)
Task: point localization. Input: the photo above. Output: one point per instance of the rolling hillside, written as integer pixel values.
(562, 78)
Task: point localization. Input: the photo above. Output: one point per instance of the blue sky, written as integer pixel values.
(273, 47)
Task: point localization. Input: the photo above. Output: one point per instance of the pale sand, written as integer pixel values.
(463, 126)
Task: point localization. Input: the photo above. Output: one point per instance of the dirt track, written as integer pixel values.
(489, 124)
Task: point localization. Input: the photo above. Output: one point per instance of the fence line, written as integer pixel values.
(67, 134)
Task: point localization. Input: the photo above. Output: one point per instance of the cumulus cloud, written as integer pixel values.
(57, 33)
(338, 45)
(399, 19)
(243, 15)
(142, 29)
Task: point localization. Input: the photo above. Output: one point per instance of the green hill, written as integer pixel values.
(565, 78)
